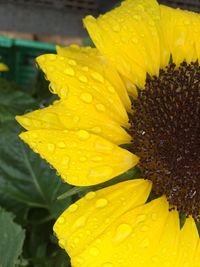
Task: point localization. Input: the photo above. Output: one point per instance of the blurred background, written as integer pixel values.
(31, 27)
(32, 196)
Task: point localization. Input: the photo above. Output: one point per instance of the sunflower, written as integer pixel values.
(139, 86)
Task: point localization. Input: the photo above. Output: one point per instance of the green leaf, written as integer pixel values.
(13, 101)
(11, 241)
(24, 177)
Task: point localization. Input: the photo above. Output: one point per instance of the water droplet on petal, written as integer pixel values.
(65, 160)
(72, 62)
(100, 107)
(83, 78)
(79, 222)
(61, 145)
(73, 208)
(144, 243)
(87, 98)
(111, 89)
(107, 264)
(96, 129)
(69, 71)
(101, 203)
(90, 195)
(97, 159)
(51, 147)
(98, 77)
(140, 218)
(83, 135)
(76, 119)
(64, 92)
(94, 251)
(82, 159)
(61, 220)
(123, 231)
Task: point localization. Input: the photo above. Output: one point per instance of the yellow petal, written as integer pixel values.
(197, 256)
(189, 239)
(90, 86)
(128, 38)
(129, 241)
(179, 30)
(3, 67)
(165, 254)
(84, 221)
(91, 58)
(74, 114)
(81, 158)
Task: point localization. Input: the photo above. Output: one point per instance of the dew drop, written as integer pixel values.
(97, 159)
(90, 195)
(111, 89)
(76, 119)
(100, 107)
(63, 92)
(87, 98)
(96, 129)
(83, 135)
(61, 220)
(98, 77)
(80, 222)
(51, 147)
(116, 28)
(144, 243)
(61, 145)
(94, 251)
(154, 216)
(69, 71)
(140, 218)
(83, 79)
(123, 231)
(72, 62)
(107, 264)
(73, 208)
(65, 160)
(82, 159)
(101, 203)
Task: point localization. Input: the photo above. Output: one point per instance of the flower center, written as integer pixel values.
(165, 126)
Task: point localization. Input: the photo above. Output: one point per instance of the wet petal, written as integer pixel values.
(88, 218)
(165, 254)
(128, 38)
(81, 158)
(91, 87)
(179, 31)
(128, 241)
(74, 114)
(197, 256)
(86, 57)
(189, 239)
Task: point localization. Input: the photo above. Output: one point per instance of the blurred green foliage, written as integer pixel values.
(29, 188)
